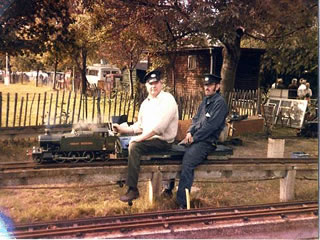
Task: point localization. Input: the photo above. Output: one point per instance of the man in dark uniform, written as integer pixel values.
(203, 133)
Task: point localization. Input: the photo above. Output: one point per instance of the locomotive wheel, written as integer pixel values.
(38, 159)
(89, 156)
(58, 159)
(74, 156)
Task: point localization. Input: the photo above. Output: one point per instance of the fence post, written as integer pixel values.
(74, 106)
(0, 109)
(20, 115)
(15, 109)
(25, 111)
(55, 109)
(49, 113)
(61, 107)
(44, 106)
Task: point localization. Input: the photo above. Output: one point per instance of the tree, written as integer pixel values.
(174, 24)
(30, 24)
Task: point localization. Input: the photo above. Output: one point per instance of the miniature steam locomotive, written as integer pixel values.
(84, 145)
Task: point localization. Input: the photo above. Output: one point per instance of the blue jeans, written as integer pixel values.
(195, 154)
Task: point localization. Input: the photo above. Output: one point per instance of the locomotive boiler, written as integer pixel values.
(84, 145)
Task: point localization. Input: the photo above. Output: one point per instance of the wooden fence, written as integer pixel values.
(63, 107)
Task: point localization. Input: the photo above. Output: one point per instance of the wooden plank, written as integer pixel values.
(26, 110)
(44, 107)
(74, 106)
(68, 105)
(30, 113)
(85, 117)
(38, 107)
(115, 104)
(49, 113)
(104, 106)
(98, 106)
(55, 109)
(93, 107)
(120, 103)
(0, 109)
(125, 103)
(15, 109)
(21, 107)
(61, 107)
(128, 107)
(134, 107)
(79, 112)
(109, 110)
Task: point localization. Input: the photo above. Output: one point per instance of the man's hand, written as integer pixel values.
(117, 128)
(188, 139)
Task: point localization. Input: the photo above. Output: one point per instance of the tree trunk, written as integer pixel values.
(231, 55)
(83, 71)
(37, 78)
(55, 73)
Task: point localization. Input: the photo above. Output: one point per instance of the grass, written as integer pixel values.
(27, 205)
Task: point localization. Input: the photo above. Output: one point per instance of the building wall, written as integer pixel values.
(190, 81)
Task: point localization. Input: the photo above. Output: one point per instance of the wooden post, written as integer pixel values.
(287, 186)
(275, 148)
(30, 112)
(21, 107)
(155, 186)
(74, 106)
(188, 198)
(115, 104)
(25, 111)
(68, 105)
(55, 109)
(49, 113)
(44, 107)
(15, 108)
(38, 106)
(61, 107)
(0, 109)
(93, 107)
(79, 112)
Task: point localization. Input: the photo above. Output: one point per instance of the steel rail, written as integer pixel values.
(157, 161)
(175, 218)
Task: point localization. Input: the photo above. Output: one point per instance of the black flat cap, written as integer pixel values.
(153, 76)
(211, 78)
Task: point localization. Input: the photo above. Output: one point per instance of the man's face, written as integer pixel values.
(211, 89)
(154, 88)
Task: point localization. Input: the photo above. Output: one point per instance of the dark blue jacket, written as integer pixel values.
(209, 121)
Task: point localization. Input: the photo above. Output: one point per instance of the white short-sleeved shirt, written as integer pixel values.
(159, 114)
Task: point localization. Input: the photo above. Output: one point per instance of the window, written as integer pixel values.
(192, 62)
(93, 72)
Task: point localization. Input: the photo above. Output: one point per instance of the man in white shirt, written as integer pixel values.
(302, 89)
(156, 127)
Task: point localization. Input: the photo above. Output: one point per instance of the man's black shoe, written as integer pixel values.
(181, 207)
(130, 195)
(167, 193)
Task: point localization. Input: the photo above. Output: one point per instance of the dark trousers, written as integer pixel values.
(136, 150)
(195, 154)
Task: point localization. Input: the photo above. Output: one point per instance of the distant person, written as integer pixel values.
(293, 87)
(308, 91)
(157, 127)
(280, 84)
(203, 134)
(302, 89)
